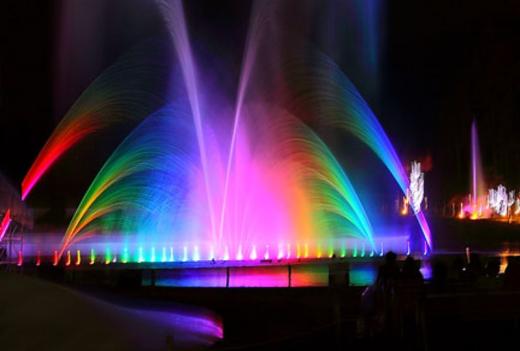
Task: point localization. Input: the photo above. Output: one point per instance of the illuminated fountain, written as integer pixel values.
(195, 181)
(498, 200)
(477, 179)
(476, 204)
(336, 101)
(503, 203)
(496, 204)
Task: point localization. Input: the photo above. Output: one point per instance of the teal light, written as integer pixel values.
(108, 256)
(163, 256)
(140, 258)
(125, 256)
(152, 254)
(172, 257)
(185, 253)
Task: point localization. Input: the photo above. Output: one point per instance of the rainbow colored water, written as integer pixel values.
(199, 180)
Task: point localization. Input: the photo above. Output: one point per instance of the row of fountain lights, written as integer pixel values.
(414, 198)
(167, 256)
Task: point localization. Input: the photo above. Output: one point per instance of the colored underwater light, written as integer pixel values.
(253, 256)
(184, 253)
(38, 259)
(266, 253)
(226, 253)
(108, 256)
(343, 251)
(196, 254)
(55, 258)
(92, 257)
(240, 255)
(163, 255)
(78, 258)
(68, 259)
(152, 254)
(125, 257)
(331, 251)
(19, 261)
(461, 211)
(140, 257)
(280, 252)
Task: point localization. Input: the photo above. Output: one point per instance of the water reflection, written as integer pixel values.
(303, 275)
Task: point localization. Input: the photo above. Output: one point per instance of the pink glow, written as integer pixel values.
(55, 258)
(258, 277)
(19, 262)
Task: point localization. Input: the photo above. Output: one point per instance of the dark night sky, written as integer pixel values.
(441, 64)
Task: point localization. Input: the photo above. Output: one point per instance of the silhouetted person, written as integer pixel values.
(388, 274)
(411, 272)
(385, 291)
(410, 289)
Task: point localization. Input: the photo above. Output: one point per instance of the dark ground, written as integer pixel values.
(464, 314)
(470, 309)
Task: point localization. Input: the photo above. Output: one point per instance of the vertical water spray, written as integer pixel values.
(477, 179)
(173, 14)
(253, 37)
